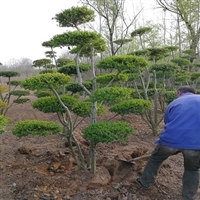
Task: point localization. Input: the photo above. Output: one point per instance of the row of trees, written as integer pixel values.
(113, 86)
(141, 81)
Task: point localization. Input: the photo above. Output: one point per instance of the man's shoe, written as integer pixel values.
(139, 183)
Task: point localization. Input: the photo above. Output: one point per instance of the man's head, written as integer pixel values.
(185, 89)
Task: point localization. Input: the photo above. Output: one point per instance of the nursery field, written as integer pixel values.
(41, 168)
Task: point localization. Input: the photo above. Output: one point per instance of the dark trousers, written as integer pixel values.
(190, 177)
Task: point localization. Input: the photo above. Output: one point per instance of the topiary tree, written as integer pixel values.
(3, 120)
(140, 32)
(58, 104)
(143, 52)
(196, 66)
(134, 106)
(136, 67)
(181, 62)
(165, 74)
(182, 78)
(42, 63)
(52, 53)
(35, 127)
(189, 55)
(169, 96)
(64, 61)
(76, 88)
(7, 92)
(74, 17)
(88, 44)
(166, 69)
(80, 110)
(104, 79)
(43, 93)
(70, 69)
(121, 63)
(111, 95)
(9, 75)
(3, 123)
(195, 78)
(14, 83)
(157, 53)
(172, 50)
(83, 43)
(105, 132)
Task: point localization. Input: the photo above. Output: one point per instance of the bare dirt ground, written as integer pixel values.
(41, 168)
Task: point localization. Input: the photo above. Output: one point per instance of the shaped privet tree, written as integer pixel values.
(165, 76)
(137, 69)
(7, 92)
(80, 111)
(42, 63)
(157, 54)
(164, 72)
(52, 53)
(140, 32)
(65, 104)
(95, 44)
(183, 63)
(61, 105)
(3, 120)
(85, 43)
(82, 43)
(3, 105)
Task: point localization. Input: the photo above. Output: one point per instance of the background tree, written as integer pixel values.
(6, 93)
(3, 122)
(188, 11)
(113, 25)
(88, 44)
(140, 32)
(42, 63)
(23, 66)
(74, 17)
(138, 66)
(52, 52)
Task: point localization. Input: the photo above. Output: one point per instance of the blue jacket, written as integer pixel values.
(182, 123)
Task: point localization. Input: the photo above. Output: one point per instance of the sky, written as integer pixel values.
(26, 24)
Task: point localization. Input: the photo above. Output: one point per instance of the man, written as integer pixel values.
(181, 133)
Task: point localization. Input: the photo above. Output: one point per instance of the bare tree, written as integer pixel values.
(25, 66)
(188, 11)
(113, 23)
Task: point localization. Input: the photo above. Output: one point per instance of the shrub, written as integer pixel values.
(3, 122)
(45, 81)
(75, 87)
(14, 82)
(47, 71)
(35, 127)
(52, 105)
(169, 96)
(43, 93)
(21, 100)
(19, 92)
(83, 109)
(2, 104)
(70, 68)
(136, 106)
(111, 95)
(106, 78)
(3, 89)
(107, 132)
